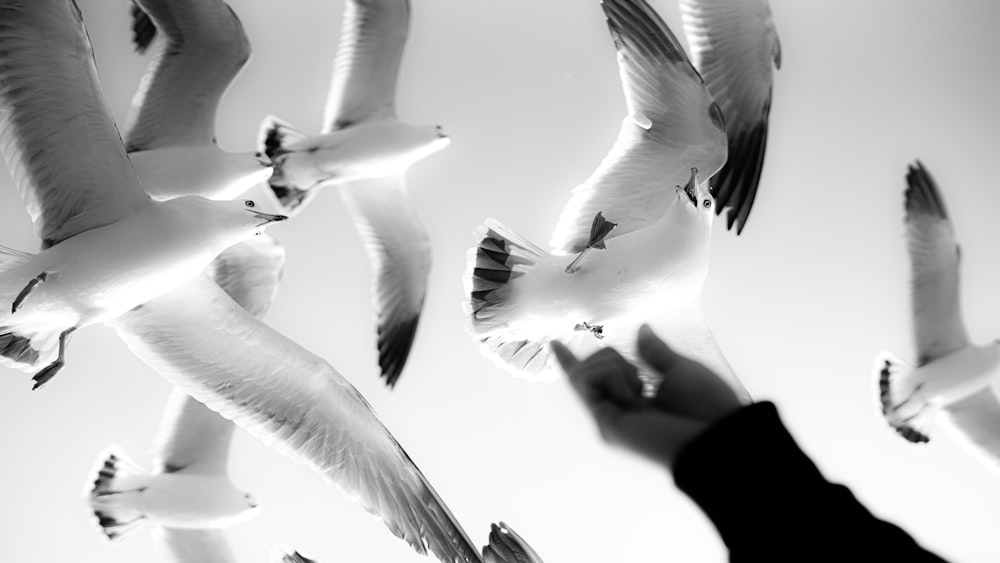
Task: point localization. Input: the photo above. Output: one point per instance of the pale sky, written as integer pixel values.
(529, 91)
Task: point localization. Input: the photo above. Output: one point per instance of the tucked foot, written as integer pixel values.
(596, 330)
(27, 291)
(43, 377)
(599, 230)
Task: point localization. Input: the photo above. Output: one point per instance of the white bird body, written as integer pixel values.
(103, 272)
(177, 500)
(366, 150)
(622, 283)
(206, 170)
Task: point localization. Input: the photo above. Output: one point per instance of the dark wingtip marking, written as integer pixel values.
(17, 348)
(143, 28)
(273, 141)
(736, 183)
(394, 343)
(922, 194)
(636, 26)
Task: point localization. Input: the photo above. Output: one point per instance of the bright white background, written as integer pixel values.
(801, 302)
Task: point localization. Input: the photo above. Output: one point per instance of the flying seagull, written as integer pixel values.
(632, 244)
(734, 45)
(107, 247)
(196, 48)
(188, 495)
(366, 150)
(60, 142)
(952, 376)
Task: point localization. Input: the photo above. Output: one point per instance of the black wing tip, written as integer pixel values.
(143, 28)
(738, 180)
(394, 343)
(636, 26)
(922, 194)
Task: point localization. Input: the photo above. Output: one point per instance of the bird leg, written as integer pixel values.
(599, 230)
(43, 377)
(27, 291)
(596, 330)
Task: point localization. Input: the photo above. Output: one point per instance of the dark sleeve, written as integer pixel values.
(769, 502)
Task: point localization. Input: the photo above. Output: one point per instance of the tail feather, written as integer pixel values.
(499, 257)
(116, 514)
(273, 137)
(143, 28)
(507, 547)
(914, 428)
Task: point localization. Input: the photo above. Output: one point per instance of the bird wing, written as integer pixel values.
(507, 547)
(202, 48)
(734, 45)
(210, 347)
(400, 254)
(363, 85)
(976, 419)
(934, 263)
(673, 126)
(288, 555)
(192, 438)
(250, 272)
(175, 545)
(57, 133)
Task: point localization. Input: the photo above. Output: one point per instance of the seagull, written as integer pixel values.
(70, 166)
(188, 495)
(107, 247)
(733, 45)
(196, 49)
(952, 376)
(507, 547)
(639, 228)
(366, 150)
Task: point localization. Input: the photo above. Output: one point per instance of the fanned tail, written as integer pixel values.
(111, 495)
(499, 257)
(273, 137)
(888, 369)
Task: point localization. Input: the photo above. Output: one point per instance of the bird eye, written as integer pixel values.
(256, 234)
(249, 203)
(707, 203)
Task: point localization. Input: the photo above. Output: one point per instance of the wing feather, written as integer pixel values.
(199, 48)
(400, 254)
(734, 45)
(363, 85)
(57, 133)
(976, 419)
(207, 345)
(934, 263)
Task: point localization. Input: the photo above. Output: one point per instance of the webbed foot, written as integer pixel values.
(599, 230)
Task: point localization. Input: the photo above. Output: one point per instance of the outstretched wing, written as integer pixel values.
(202, 341)
(673, 126)
(934, 262)
(57, 133)
(734, 45)
(363, 86)
(199, 49)
(400, 253)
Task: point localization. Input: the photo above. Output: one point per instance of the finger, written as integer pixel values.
(567, 360)
(654, 351)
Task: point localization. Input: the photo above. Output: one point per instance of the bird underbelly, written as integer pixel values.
(189, 501)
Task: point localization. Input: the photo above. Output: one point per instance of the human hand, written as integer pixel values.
(690, 398)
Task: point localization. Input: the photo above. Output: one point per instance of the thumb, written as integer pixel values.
(654, 351)
(567, 360)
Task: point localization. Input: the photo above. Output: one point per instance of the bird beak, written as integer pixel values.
(268, 218)
(441, 133)
(264, 161)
